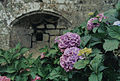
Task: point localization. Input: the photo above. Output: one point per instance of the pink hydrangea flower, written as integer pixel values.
(68, 40)
(91, 25)
(101, 16)
(36, 78)
(68, 59)
(4, 78)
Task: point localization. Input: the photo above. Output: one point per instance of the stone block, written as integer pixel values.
(88, 8)
(61, 24)
(52, 40)
(53, 32)
(50, 26)
(45, 37)
(40, 44)
(4, 30)
(41, 26)
(4, 41)
(60, 27)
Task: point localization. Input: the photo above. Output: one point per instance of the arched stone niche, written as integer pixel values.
(37, 29)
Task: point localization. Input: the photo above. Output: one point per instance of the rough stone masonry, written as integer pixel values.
(35, 23)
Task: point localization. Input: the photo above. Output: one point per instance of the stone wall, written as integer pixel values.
(74, 11)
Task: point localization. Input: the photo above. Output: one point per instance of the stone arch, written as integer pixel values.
(37, 28)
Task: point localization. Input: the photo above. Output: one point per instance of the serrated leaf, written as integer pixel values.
(95, 29)
(110, 45)
(114, 32)
(55, 73)
(33, 75)
(10, 70)
(118, 6)
(81, 64)
(101, 68)
(51, 52)
(18, 46)
(23, 50)
(85, 40)
(2, 60)
(94, 77)
(96, 51)
(94, 43)
(45, 49)
(96, 62)
(111, 15)
(16, 55)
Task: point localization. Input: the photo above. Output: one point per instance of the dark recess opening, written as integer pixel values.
(39, 37)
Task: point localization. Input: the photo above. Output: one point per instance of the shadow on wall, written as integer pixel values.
(37, 29)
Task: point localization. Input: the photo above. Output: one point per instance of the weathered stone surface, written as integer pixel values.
(40, 44)
(53, 32)
(50, 26)
(62, 31)
(41, 26)
(4, 30)
(52, 40)
(4, 41)
(45, 37)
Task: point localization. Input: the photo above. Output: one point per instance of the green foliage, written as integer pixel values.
(114, 32)
(110, 45)
(112, 15)
(85, 40)
(81, 64)
(13, 63)
(96, 63)
(94, 77)
(118, 6)
(48, 67)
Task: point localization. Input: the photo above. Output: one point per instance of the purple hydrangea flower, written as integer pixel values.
(91, 25)
(68, 59)
(68, 40)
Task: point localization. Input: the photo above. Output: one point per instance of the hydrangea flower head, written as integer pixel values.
(116, 23)
(91, 25)
(68, 59)
(101, 17)
(68, 40)
(4, 78)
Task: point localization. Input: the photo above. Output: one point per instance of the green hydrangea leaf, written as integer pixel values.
(96, 62)
(118, 6)
(94, 77)
(114, 32)
(110, 45)
(81, 64)
(111, 15)
(2, 60)
(85, 40)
